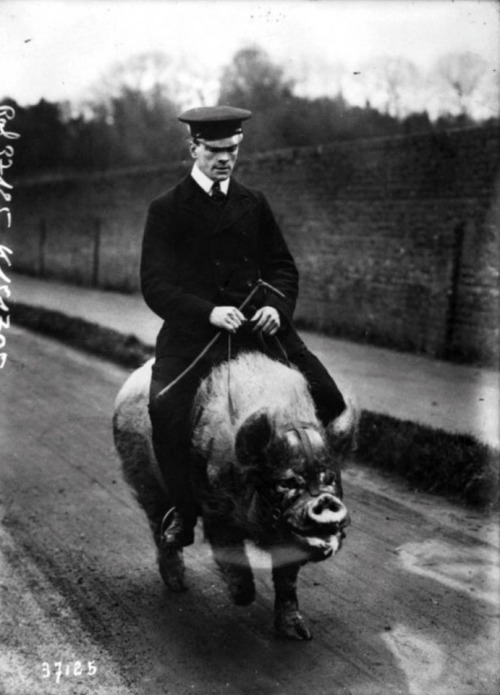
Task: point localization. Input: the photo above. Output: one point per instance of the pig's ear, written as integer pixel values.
(253, 437)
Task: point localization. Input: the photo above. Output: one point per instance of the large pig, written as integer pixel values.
(263, 470)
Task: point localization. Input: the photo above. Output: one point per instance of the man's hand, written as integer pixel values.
(227, 317)
(267, 320)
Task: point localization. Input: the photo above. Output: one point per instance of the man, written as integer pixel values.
(206, 243)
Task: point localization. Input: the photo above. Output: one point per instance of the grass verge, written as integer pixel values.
(453, 465)
(126, 350)
(431, 460)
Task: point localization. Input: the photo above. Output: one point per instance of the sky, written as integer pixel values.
(59, 49)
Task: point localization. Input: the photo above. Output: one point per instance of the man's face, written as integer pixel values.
(216, 158)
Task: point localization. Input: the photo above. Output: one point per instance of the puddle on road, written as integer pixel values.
(432, 666)
(421, 659)
(472, 570)
(429, 669)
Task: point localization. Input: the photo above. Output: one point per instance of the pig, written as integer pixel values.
(263, 469)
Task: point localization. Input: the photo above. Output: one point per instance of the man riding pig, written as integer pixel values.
(207, 242)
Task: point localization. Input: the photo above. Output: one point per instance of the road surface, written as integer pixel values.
(410, 604)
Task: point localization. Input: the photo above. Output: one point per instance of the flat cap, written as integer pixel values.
(215, 122)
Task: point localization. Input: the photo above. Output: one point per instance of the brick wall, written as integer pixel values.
(397, 239)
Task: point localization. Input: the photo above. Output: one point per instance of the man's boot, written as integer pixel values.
(177, 529)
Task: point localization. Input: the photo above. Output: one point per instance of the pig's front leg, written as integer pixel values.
(287, 620)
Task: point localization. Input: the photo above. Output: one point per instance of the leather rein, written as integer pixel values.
(260, 284)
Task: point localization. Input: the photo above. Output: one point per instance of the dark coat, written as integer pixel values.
(196, 256)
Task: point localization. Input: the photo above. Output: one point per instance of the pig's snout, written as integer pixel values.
(327, 510)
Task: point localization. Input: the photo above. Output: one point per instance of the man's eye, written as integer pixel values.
(229, 150)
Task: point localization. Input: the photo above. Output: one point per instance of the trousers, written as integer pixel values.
(170, 414)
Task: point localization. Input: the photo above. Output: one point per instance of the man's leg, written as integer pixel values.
(327, 398)
(170, 414)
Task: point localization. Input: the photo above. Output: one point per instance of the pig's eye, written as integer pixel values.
(291, 482)
(327, 478)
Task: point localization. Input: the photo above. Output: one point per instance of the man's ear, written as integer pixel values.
(193, 146)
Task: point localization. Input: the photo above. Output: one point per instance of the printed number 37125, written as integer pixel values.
(58, 669)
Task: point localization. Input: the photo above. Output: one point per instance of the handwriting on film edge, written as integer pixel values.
(58, 669)
(7, 113)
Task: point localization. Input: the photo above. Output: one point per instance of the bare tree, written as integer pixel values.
(488, 102)
(393, 84)
(135, 104)
(157, 76)
(317, 76)
(195, 83)
(144, 73)
(253, 80)
(461, 76)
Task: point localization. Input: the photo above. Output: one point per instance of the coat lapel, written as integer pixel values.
(238, 203)
(196, 202)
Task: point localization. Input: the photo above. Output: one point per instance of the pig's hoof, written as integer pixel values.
(171, 565)
(292, 626)
(239, 584)
(242, 592)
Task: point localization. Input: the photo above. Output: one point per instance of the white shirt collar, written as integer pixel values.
(206, 183)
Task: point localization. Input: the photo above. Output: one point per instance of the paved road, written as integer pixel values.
(410, 605)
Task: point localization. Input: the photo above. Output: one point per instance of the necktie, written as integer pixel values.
(217, 195)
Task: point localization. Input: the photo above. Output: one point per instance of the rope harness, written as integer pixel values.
(301, 430)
